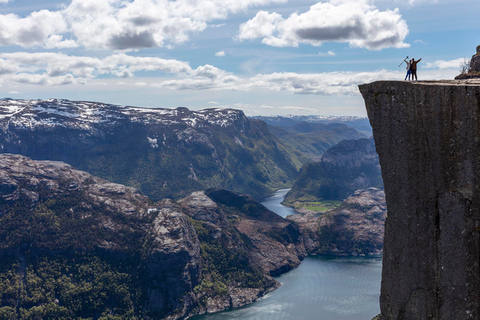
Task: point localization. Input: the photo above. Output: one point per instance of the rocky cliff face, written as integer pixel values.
(53, 213)
(67, 237)
(163, 152)
(426, 135)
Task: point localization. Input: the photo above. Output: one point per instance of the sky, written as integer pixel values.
(265, 57)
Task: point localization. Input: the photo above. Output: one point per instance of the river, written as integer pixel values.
(321, 288)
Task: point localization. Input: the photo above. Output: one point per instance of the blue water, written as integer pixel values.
(321, 288)
(274, 203)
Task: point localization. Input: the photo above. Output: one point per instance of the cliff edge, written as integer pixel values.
(427, 135)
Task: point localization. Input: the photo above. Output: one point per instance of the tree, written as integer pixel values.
(465, 66)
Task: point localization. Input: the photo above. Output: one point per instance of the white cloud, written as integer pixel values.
(298, 109)
(33, 30)
(55, 68)
(3, 1)
(356, 22)
(60, 69)
(217, 25)
(413, 2)
(446, 64)
(118, 24)
(263, 25)
(328, 83)
(421, 41)
(220, 54)
(56, 41)
(7, 68)
(327, 54)
(246, 106)
(42, 79)
(261, 108)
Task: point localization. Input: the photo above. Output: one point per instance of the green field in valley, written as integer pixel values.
(319, 206)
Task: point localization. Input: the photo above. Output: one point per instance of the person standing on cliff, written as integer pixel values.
(409, 71)
(413, 68)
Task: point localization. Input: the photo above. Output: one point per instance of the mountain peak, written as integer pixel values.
(53, 112)
(182, 150)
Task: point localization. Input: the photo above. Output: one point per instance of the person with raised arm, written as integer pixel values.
(413, 68)
(408, 68)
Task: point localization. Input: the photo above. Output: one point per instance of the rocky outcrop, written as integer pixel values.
(355, 228)
(472, 67)
(274, 244)
(208, 252)
(426, 135)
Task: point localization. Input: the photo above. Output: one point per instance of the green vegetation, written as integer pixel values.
(69, 222)
(318, 206)
(224, 263)
(67, 286)
(52, 267)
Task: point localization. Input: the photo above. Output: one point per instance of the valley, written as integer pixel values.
(321, 288)
(184, 235)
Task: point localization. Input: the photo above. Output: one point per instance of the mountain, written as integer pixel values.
(73, 245)
(313, 139)
(162, 152)
(361, 124)
(356, 227)
(346, 167)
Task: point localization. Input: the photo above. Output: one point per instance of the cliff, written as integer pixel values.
(427, 136)
(73, 245)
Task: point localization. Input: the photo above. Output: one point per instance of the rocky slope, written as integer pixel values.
(74, 245)
(355, 228)
(181, 150)
(426, 134)
(346, 167)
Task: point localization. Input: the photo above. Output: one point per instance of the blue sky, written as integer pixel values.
(262, 56)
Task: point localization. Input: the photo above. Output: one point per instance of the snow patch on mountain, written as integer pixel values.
(29, 114)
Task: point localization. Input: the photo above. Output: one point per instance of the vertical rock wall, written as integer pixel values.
(427, 135)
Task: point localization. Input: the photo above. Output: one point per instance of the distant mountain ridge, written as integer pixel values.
(312, 139)
(360, 124)
(162, 152)
(346, 167)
